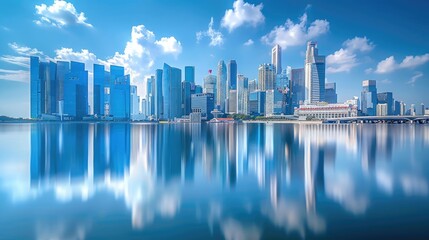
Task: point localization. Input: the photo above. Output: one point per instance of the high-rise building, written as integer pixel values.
(314, 75)
(203, 103)
(186, 98)
(274, 102)
(413, 110)
(387, 98)
(242, 94)
(62, 69)
(221, 85)
(257, 102)
(76, 91)
(266, 77)
(150, 96)
(397, 108)
(210, 84)
(158, 94)
(403, 109)
(297, 86)
(382, 109)
(171, 92)
(120, 94)
(253, 85)
(232, 75)
(101, 81)
(331, 92)
(369, 97)
(282, 81)
(197, 89)
(190, 74)
(36, 89)
(135, 102)
(276, 58)
(232, 101)
(422, 109)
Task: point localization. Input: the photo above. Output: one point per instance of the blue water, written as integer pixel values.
(242, 181)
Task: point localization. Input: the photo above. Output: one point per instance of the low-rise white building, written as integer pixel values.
(326, 111)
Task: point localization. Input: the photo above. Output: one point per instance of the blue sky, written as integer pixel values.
(382, 40)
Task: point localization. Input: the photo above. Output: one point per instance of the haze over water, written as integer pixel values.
(200, 181)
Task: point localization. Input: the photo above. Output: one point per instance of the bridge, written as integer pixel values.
(380, 119)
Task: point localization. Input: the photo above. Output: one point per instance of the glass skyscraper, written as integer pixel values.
(266, 76)
(210, 85)
(204, 103)
(221, 85)
(76, 91)
(314, 75)
(369, 97)
(276, 58)
(186, 98)
(232, 75)
(171, 92)
(98, 92)
(298, 86)
(36, 95)
(331, 92)
(242, 94)
(190, 74)
(158, 94)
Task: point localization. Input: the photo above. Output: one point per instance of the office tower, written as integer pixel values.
(232, 75)
(331, 92)
(289, 72)
(369, 97)
(36, 87)
(387, 98)
(221, 85)
(62, 69)
(276, 58)
(186, 98)
(266, 77)
(232, 102)
(274, 104)
(210, 84)
(135, 104)
(76, 91)
(257, 102)
(422, 107)
(413, 110)
(382, 109)
(190, 74)
(297, 86)
(171, 92)
(100, 82)
(144, 107)
(204, 103)
(150, 98)
(397, 108)
(314, 75)
(120, 97)
(242, 94)
(402, 109)
(253, 85)
(158, 94)
(282, 81)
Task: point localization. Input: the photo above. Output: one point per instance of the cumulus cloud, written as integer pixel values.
(169, 45)
(241, 14)
(409, 62)
(296, 34)
(346, 57)
(216, 37)
(60, 14)
(248, 42)
(14, 75)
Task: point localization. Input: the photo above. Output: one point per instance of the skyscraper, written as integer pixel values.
(232, 101)
(314, 75)
(190, 74)
(242, 94)
(369, 97)
(171, 91)
(186, 98)
(120, 94)
(150, 98)
(210, 84)
(221, 85)
(386, 98)
(204, 103)
(36, 87)
(232, 75)
(266, 77)
(298, 86)
(134, 101)
(331, 92)
(98, 91)
(158, 94)
(253, 85)
(276, 58)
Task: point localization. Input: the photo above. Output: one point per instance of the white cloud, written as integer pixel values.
(389, 64)
(216, 37)
(84, 56)
(346, 58)
(248, 42)
(60, 14)
(296, 34)
(243, 13)
(23, 52)
(170, 45)
(14, 75)
(416, 76)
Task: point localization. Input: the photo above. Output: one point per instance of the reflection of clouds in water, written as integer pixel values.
(414, 185)
(342, 188)
(384, 180)
(293, 216)
(234, 230)
(61, 231)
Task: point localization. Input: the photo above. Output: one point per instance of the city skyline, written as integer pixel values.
(396, 59)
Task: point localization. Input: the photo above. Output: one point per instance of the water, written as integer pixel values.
(243, 181)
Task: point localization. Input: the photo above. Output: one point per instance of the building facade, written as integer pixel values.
(266, 77)
(314, 75)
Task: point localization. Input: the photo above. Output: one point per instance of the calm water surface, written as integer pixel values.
(243, 181)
